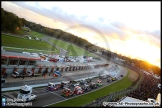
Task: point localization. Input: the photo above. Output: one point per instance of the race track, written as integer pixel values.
(45, 98)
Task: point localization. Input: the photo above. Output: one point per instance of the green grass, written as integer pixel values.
(21, 32)
(84, 99)
(36, 34)
(73, 50)
(26, 37)
(11, 41)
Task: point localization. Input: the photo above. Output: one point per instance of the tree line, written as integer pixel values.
(141, 64)
(12, 23)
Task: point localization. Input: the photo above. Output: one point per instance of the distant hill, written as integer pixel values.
(13, 24)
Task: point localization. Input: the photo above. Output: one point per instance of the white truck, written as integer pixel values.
(25, 94)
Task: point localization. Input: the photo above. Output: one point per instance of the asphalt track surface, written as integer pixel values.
(45, 98)
(56, 79)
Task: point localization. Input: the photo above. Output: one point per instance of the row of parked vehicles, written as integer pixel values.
(16, 74)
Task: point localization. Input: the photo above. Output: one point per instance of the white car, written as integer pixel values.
(73, 60)
(15, 74)
(29, 73)
(26, 53)
(40, 53)
(34, 54)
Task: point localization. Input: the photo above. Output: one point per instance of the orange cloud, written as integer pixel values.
(120, 39)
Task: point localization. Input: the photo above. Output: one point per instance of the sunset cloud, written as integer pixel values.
(128, 28)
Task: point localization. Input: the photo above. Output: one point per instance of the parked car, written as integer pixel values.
(29, 73)
(15, 74)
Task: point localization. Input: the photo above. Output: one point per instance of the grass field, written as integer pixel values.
(73, 50)
(84, 99)
(11, 41)
(36, 34)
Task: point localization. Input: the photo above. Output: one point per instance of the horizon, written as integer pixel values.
(126, 30)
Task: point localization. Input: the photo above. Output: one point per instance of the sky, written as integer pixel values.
(128, 28)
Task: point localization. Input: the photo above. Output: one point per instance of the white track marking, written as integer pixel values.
(10, 95)
(4, 96)
(43, 93)
(58, 95)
